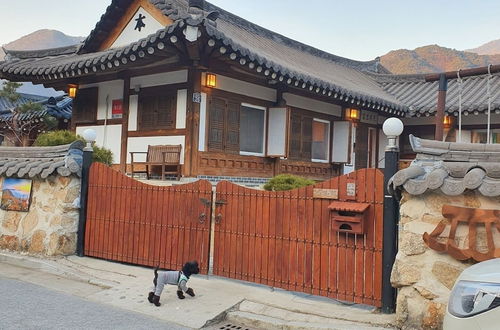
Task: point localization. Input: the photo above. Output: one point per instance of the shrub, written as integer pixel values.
(287, 182)
(57, 138)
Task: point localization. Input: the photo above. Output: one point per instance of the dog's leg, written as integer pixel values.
(190, 292)
(150, 297)
(180, 294)
(156, 301)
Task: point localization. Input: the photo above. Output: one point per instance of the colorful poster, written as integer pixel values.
(16, 194)
(117, 109)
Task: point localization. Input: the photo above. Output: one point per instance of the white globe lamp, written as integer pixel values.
(89, 135)
(393, 128)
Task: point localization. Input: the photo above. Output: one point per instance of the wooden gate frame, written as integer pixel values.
(299, 250)
(120, 210)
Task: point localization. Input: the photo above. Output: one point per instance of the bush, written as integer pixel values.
(57, 138)
(287, 182)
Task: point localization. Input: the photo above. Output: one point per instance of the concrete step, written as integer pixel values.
(261, 316)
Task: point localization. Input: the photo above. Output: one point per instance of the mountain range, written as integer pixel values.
(41, 39)
(426, 59)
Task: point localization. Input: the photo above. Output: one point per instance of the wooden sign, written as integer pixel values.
(351, 189)
(326, 193)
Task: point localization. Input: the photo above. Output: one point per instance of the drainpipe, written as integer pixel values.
(441, 105)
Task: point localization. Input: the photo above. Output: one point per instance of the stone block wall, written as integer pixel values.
(50, 226)
(424, 277)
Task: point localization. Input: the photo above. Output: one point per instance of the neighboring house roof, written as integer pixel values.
(7, 105)
(266, 52)
(450, 167)
(421, 96)
(41, 161)
(59, 108)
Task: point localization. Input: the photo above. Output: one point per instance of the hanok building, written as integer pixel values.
(242, 101)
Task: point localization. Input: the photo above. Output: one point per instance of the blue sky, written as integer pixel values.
(358, 29)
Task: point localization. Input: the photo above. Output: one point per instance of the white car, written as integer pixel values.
(475, 299)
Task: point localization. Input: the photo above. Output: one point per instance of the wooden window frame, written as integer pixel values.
(157, 91)
(328, 157)
(264, 137)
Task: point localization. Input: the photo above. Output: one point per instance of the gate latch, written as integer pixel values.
(206, 202)
(220, 202)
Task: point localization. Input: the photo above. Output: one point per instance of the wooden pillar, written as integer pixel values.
(441, 105)
(124, 142)
(190, 168)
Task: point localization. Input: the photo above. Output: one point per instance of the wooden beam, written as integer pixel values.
(158, 132)
(192, 123)
(124, 139)
(441, 106)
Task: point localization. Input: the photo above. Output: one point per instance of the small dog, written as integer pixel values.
(179, 278)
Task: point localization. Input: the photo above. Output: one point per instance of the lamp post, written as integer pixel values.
(393, 127)
(89, 135)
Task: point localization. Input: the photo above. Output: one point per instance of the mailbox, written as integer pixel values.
(348, 217)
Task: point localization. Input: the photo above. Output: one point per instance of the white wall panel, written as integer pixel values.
(158, 79)
(181, 108)
(313, 105)
(203, 122)
(276, 141)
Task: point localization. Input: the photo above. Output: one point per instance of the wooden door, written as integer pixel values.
(132, 222)
(287, 239)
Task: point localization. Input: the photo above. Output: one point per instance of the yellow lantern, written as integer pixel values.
(211, 80)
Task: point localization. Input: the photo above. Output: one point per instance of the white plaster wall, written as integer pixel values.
(108, 91)
(181, 108)
(108, 137)
(241, 87)
(130, 35)
(312, 105)
(141, 144)
(165, 78)
(132, 116)
(203, 122)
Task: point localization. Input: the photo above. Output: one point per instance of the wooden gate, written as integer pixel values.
(132, 222)
(292, 240)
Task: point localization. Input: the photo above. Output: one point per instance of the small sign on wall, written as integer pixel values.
(326, 193)
(16, 194)
(117, 109)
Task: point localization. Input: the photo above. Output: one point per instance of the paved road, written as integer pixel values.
(28, 306)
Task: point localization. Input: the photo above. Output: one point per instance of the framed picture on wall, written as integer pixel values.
(16, 194)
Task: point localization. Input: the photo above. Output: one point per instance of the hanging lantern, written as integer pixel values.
(72, 90)
(211, 80)
(447, 121)
(352, 114)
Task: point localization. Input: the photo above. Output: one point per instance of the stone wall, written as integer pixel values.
(50, 226)
(424, 277)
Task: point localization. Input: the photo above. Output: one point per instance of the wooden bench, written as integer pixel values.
(160, 155)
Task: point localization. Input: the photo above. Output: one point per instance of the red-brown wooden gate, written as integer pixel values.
(132, 222)
(287, 239)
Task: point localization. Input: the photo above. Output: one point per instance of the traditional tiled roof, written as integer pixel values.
(451, 167)
(421, 96)
(7, 105)
(59, 108)
(41, 161)
(267, 53)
